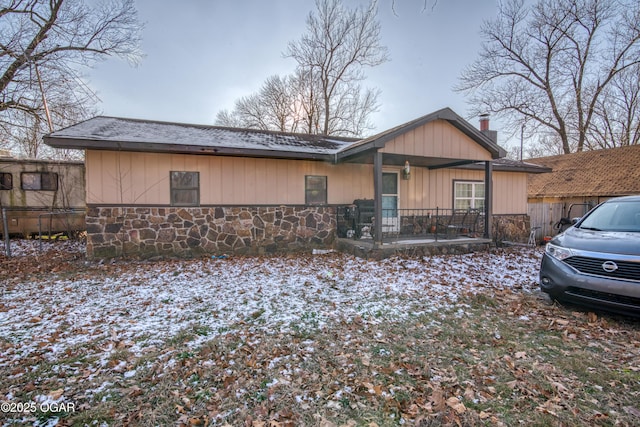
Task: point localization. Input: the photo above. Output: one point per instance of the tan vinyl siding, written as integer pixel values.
(431, 189)
(143, 178)
(436, 139)
(509, 189)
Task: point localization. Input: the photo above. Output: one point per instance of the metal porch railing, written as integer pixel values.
(357, 222)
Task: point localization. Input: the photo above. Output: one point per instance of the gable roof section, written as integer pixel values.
(599, 173)
(112, 133)
(379, 140)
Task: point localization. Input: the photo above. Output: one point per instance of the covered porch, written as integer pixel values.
(358, 222)
(432, 182)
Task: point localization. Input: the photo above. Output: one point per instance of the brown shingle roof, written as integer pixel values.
(611, 172)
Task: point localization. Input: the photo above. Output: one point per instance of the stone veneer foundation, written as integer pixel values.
(513, 228)
(148, 232)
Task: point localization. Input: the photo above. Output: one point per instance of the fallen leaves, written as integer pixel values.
(304, 340)
(372, 389)
(56, 394)
(455, 403)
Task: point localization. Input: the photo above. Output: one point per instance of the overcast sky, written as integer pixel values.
(202, 55)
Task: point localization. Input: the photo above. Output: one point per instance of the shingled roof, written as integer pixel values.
(124, 134)
(114, 133)
(599, 173)
(144, 135)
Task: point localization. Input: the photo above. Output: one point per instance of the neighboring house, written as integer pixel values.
(580, 181)
(169, 188)
(41, 195)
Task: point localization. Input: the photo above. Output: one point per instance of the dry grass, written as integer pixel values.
(499, 357)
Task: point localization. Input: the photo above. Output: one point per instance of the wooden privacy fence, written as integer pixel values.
(546, 215)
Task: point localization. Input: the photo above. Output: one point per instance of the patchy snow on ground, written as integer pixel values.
(34, 247)
(141, 305)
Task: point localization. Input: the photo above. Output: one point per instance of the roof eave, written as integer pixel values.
(85, 144)
(524, 168)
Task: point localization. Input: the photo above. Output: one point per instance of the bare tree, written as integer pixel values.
(551, 64)
(616, 119)
(324, 95)
(543, 146)
(338, 45)
(308, 107)
(228, 118)
(44, 44)
(274, 107)
(279, 96)
(424, 6)
(25, 138)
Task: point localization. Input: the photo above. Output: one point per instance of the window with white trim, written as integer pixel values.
(468, 195)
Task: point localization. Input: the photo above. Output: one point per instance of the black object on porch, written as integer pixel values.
(356, 220)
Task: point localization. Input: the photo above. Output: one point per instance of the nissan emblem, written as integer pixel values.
(609, 266)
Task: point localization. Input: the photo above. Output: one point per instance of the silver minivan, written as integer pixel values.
(596, 262)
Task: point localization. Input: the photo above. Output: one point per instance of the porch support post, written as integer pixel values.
(488, 199)
(377, 198)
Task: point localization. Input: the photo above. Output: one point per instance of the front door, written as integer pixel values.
(390, 198)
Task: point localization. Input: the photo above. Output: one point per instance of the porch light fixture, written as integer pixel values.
(406, 170)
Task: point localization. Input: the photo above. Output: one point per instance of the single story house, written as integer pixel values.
(579, 181)
(157, 188)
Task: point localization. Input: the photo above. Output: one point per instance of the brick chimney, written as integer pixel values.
(484, 128)
(484, 122)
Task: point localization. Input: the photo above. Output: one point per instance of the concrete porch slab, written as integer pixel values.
(365, 248)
